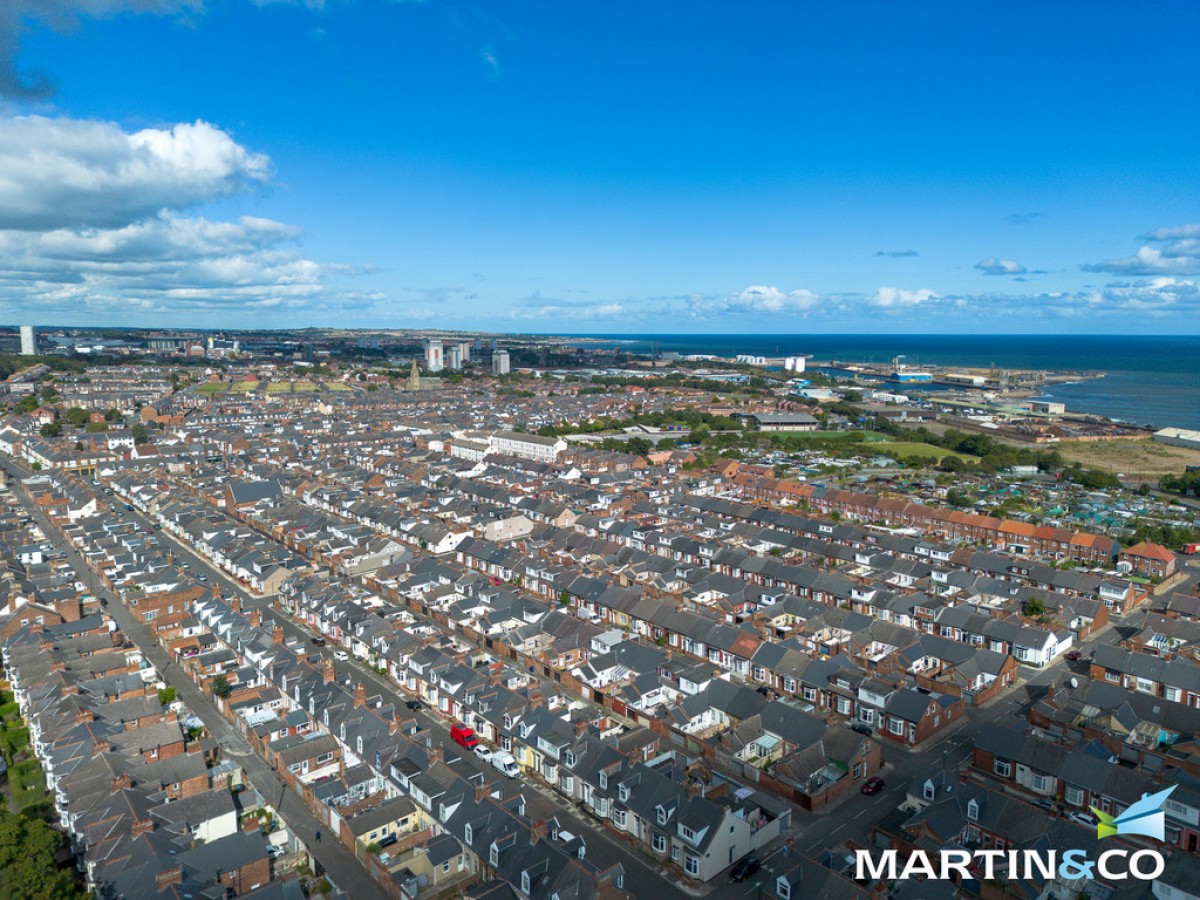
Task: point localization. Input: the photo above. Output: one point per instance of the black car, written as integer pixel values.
(319, 641)
(413, 704)
(745, 868)
(862, 729)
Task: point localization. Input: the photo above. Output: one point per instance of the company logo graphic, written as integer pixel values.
(1144, 817)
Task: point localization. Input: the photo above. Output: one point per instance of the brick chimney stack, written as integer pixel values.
(327, 672)
(277, 634)
(256, 617)
(360, 694)
(236, 603)
(122, 782)
(537, 831)
(168, 877)
(435, 754)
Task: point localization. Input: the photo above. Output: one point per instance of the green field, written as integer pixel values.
(906, 448)
(245, 387)
(279, 387)
(336, 386)
(211, 387)
(303, 387)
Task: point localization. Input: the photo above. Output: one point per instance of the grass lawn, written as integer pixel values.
(245, 387)
(279, 387)
(336, 386)
(906, 448)
(211, 387)
(303, 387)
(1132, 458)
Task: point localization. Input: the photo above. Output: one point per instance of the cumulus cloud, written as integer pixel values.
(538, 307)
(62, 172)
(1176, 252)
(757, 299)
(167, 264)
(890, 297)
(92, 222)
(994, 266)
(17, 15)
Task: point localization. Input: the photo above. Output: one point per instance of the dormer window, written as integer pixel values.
(930, 791)
(494, 855)
(604, 781)
(525, 883)
(661, 814)
(570, 758)
(783, 888)
(468, 834)
(623, 791)
(359, 744)
(973, 810)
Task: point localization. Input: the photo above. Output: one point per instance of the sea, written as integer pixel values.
(1149, 380)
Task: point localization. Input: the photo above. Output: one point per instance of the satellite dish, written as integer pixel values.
(1072, 682)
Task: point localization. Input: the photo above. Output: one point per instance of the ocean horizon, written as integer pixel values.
(1149, 379)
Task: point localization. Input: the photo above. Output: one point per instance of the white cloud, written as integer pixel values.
(1178, 253)
(57, 173)
(994, 266)
(891, 298)
(90, 224)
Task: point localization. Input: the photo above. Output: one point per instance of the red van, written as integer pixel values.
(461, 734)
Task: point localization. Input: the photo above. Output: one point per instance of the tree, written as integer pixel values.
(77, 416)
(50, 430)
(140, 434)
(167, 695)
(26, 405)
(951, 464)
(114, 415)
(221, 687)
(1034, 607)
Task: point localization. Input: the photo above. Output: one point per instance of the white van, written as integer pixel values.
(505, 763)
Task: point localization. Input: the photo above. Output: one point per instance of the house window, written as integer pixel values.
(604, 781)
(661, 814)
(896, 726)
(623, 792)
(468, 834)
(789, 684)
(619, 817)
(692, 865)
(930, 791)
(783, 888)
(494, 855)
(446, 866)
(659, 843)
(525, 883)
(688, 834)
(1041, 783)
(674, 853)
(1074, 795)
(973, 810)
(843, 706)
(1002, 768)
(1109, 675)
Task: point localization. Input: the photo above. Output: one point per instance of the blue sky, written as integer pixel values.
(616, 167)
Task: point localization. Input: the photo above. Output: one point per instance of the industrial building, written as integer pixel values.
(778, 421)
(1178, 437)
(500, 362)
(28, 340)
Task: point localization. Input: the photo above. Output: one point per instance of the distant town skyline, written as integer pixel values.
(542, 168)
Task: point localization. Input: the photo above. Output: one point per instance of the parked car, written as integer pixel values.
(484, 753)
(463, 735)
(341, 655)
(1074, 656)
(319, 641)
(1082, 818)
(505, 763)
(862, 729)
(745, 868)
(1044, 804)
(873, 785)
(413, 704)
